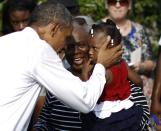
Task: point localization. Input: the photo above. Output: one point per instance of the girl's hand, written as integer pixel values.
(87, 69)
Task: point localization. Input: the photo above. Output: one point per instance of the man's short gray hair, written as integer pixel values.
(49, 12)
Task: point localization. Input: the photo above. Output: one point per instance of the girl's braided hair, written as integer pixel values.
(109, 28)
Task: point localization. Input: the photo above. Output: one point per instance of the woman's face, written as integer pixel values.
(118, 9)
(78, 50)
(19, 19)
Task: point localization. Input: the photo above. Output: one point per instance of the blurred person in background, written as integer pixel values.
(156, 95)
(15, 15)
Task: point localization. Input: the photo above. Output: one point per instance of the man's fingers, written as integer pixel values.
(107, 41)
(118, 47)
(89, 61)
(118, 55)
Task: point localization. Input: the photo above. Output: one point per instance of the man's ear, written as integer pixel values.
(54, 27)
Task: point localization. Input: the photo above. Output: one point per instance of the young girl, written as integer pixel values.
(114, 110)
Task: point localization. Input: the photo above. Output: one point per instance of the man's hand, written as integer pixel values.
(109, 56)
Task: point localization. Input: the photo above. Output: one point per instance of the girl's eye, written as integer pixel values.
(95, 48)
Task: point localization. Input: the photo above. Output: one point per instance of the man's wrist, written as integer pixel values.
(99, 68)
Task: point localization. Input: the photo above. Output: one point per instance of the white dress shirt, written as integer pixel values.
(160, 41)
(26, 64)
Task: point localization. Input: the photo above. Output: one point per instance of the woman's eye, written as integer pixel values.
(82, 46)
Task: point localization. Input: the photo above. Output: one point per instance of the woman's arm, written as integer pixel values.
(134, 77)
(146, 65)
(156, 95)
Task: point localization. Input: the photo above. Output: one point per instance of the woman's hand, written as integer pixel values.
(143, 67)
(158, 128)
